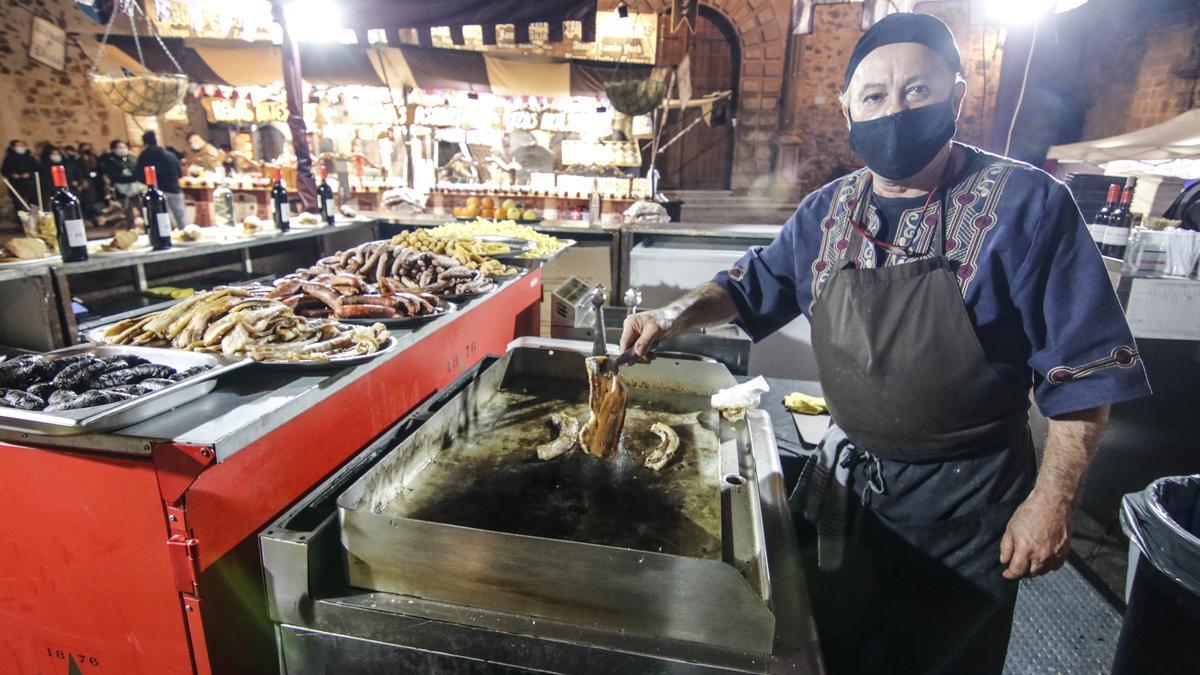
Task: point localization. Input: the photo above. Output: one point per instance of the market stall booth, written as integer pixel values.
(510, 114)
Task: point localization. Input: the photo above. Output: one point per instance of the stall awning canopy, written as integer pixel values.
(239, 64)
(1177, 138)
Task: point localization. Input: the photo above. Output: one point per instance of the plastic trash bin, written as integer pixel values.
(1161, 631)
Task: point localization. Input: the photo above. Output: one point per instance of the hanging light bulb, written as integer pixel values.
(313, 20)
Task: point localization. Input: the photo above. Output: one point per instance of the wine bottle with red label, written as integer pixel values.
(1099, 226)
(1118, 228)
(280, 208)
(155, 213)
(68, 219)
(325, 198)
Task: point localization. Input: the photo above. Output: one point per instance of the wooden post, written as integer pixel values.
(293, 84)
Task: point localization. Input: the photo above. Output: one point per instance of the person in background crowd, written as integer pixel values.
(52, 155)
(203, 154)
(229, 161)
(91, 168)
(118, 168)
(80, 181)
(169, 171)
(19, 168)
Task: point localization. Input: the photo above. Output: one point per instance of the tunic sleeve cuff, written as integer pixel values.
(1100, 389)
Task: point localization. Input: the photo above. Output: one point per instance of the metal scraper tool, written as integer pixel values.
(599, 343)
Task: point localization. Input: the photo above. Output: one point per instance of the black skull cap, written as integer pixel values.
(924, 29)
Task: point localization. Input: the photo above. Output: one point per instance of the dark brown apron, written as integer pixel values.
(906, 379)
(902, 370)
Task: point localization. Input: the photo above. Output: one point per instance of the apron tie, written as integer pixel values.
(873, 471)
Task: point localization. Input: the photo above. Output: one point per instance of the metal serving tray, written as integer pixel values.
(461, 512)
(516, 260)
(125, 413)
(516, 246)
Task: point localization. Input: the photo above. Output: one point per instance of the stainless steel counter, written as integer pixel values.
(619, 237)
(759, 232)
(431, 220)
(735, 231)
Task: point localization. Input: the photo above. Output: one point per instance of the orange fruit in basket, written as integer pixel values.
(473, 201)
(487, 203)
(457, 211)
(471, 212)
(486, 212)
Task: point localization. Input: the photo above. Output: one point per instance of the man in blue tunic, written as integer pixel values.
(943, 283)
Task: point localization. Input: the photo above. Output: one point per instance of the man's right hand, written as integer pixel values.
(643, 330)
(706, 305)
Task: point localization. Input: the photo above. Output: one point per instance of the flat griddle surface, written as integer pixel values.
(491, 479)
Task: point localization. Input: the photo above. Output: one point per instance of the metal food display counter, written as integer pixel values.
(62, 298)
(134, 551)
(619, 238)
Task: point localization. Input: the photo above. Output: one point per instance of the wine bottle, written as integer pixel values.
(280, 208)
(155, 214)
(1099, 226)
(68, 218)
(594, 204)
(223, 207)
(1118, 228)
(325, 198)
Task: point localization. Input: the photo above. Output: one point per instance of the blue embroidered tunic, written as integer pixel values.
(1033, 283)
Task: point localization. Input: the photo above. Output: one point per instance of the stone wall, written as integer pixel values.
(814, 139)
(791, 137)
(43, 104)
(1143, 65)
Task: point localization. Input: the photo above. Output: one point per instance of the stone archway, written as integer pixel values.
(762, 30)
(700, 152)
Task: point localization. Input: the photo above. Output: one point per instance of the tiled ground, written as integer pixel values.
(1062, 626)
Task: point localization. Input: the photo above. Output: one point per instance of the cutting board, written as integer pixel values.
(811, 427)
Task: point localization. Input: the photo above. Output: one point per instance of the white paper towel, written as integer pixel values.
(734, 401)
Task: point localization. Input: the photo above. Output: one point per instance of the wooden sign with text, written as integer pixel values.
(48, 44)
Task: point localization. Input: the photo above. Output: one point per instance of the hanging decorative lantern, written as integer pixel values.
(144, 94)
(636, 97)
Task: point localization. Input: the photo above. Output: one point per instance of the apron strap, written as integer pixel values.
(858, 217)
(939, 237)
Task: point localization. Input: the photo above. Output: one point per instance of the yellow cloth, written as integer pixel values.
(805, 404)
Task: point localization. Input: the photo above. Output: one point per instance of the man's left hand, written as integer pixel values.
(1038, 537)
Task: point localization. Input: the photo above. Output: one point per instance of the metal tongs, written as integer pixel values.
(633, 298)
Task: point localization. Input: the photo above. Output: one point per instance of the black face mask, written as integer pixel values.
(900, 145)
